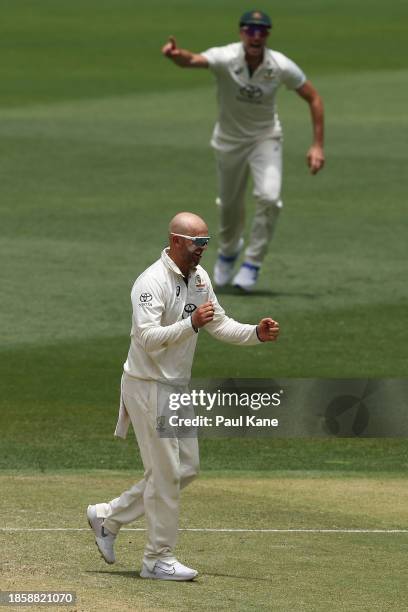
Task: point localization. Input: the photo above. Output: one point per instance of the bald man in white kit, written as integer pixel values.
(172, 300)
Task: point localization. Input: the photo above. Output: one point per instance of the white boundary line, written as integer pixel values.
(209, 530)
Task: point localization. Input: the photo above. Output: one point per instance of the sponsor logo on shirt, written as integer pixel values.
(250, 93)
(188, 310)
(145, 299)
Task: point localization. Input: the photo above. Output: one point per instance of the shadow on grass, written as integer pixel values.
(133, 574)
(120, 573)
(235, 576)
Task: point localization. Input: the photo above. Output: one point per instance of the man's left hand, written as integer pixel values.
(268, 330)
(315, 158)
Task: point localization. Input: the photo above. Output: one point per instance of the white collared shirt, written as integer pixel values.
(247, 107)
(163, 340)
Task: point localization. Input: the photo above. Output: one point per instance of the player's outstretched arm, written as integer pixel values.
(267, 330)
(315, 155)
(183, 57)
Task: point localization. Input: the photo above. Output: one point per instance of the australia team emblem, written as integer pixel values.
(200, 286)
(269, 74)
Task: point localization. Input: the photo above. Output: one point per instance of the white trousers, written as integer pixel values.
(264, 161)
(169, 463)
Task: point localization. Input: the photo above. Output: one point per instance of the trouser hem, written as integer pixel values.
(150, 562)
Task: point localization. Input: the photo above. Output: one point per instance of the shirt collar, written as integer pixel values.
(169, 263)
(241, 63)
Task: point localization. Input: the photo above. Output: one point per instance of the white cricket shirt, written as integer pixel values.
(163, 340)
(246, 104)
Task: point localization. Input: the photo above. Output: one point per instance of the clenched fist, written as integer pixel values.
(202, 315)
(268, 330)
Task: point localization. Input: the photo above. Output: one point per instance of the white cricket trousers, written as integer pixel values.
(169, 463)
(263, 160)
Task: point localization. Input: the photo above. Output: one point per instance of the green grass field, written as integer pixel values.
(102, 141)
(239, 570)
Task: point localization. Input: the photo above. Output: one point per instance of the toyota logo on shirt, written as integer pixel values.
(251, 92)
(188, 310)
(146, 297)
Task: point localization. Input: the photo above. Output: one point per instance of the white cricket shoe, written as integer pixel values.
(246, 277)
(173, 570)
(224, 266)
(104, 539)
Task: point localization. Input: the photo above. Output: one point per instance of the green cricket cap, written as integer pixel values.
(255, 18)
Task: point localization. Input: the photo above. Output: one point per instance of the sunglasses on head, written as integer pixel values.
(199, 241)
(251, 30)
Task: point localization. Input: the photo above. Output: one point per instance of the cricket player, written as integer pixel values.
(247, 138)
(172, 301)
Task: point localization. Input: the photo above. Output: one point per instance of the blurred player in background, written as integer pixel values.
(171, 301)
(248, 138)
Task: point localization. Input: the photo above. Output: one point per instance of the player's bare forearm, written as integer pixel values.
(315, 155)
(183, 57)
(317, 113)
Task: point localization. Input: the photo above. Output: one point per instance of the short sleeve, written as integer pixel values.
(292, 76)
(215, 57)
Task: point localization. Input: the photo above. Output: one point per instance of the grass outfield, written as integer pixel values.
(91, 176)
(239, 570)
(101, 142)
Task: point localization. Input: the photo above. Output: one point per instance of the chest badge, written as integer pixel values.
(200, 286)
(269, 74)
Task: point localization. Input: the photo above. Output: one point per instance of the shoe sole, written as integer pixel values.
(97, 546)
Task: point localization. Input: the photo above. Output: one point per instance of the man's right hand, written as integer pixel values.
(183, 57)
(170, 49)
(203, 315)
